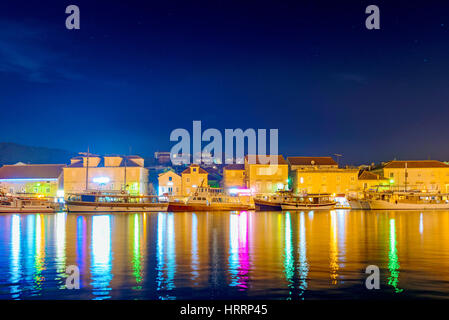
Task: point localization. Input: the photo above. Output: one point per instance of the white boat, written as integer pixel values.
(15, 204)
(101, 202)
(402, 200)
(208, 199)
(359, 204)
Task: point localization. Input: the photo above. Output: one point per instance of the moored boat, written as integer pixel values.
(405, 200)
(288, 201)
(101, 202)
(309, 202)
(208, 199)
(16, 204)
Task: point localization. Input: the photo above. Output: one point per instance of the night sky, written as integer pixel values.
(136, 70)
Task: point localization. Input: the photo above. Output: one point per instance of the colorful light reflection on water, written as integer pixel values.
(225, 255)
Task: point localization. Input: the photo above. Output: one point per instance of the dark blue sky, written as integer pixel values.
(136, 70)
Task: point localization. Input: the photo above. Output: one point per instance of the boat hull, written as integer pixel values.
(78, 206)
(9, 209)
(324, 206)
(180, 206)
(262, 205)
(359, 205)
(386, 205)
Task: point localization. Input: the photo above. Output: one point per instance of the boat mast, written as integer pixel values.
(125, 173)
(87, 169)
(405, 173)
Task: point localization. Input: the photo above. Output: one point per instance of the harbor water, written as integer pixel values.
(226, 255)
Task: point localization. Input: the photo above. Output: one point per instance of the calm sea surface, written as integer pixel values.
(225, 255)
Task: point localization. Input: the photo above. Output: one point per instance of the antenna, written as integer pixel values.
(338, 158)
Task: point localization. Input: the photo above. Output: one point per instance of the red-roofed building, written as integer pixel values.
(321, 175)
(424, 175)
(192, 177)
(311, 162)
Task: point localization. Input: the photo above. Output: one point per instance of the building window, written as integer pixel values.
(170, 179)
(301, 180)
(188, 179)
(194, 169)
(391, 175)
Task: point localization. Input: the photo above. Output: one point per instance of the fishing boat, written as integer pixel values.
(17, 204)
(110, 202)
(208, 199)
(402, 200)
(288, 201)
(309, 202)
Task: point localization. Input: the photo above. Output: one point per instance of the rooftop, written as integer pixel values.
(311, 161)
(127, 161)
(235, 166)
(415, 164)
(366, 175)
(280, 159)
(188, 170)
(31, 171)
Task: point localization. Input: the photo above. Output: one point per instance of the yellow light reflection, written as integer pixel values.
(39, 256)
(333, 248)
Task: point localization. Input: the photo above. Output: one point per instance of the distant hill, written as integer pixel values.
(11, 153)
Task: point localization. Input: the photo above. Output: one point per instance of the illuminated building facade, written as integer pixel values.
(39, 179)
(234, 176)
(266, 178)
(424, 175)
(106, 173)
(321, 175)
(192, 177)
(170, 183)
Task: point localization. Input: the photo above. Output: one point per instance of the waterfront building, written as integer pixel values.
(321, 175)
(112, 172)
(266, 178)
(371, 181)
(169, 183)
(192, 177)
(39, 179)
(234, 176)
(424, 175)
